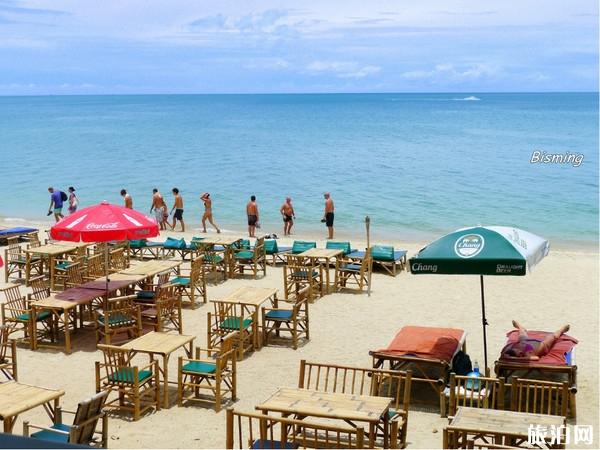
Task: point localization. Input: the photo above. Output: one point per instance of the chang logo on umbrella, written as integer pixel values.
(469, 245)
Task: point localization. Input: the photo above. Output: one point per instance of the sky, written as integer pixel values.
(268, 46)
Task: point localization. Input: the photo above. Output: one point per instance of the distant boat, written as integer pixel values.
(470, 98)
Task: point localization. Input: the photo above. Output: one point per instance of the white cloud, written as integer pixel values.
(342, 69)
(450, 72)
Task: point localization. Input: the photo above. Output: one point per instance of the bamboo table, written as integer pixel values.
(151, 268)
(60, 310)
(347, 407)
(162, 344)
(49, 251)
(16, 398)
(502, 427)
(227, 243)
(324, 257)
(250, 298)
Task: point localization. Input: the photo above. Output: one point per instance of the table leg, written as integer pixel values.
(166, 380)
(51, 269)
(372, 433)
(386, 427)
(67, 331)
(33, 336)
(27, 268)
(9, 423)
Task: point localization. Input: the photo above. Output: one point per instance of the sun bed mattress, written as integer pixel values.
(426, 342)
(556, 356)
(16, 230)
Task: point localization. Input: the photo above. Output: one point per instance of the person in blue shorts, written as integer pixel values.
(56, 204)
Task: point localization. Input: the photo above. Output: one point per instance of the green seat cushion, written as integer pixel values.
(302, 246)
(303, 274)
(181, 281)
(47, 435)
(270, 246)
(125, 375)
(213, 258)
(344, 246)
(280, 314)
(246, 254)
(382, 253)
(243, 244)
(63, 265)
(351, 267)
(174, 243)
(41, 316)
(117, 319)
(233, 323)
(145, 295)
(137, 243)
(199, 367)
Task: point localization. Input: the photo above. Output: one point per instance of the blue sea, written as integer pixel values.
(418, 164)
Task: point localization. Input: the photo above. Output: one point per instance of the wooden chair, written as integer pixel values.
(15, 261)
(18, 316)
(347, 271)
(212, 370)
(480, 392)
(8, 354)
(301, 276)
(83, 429)
(294, 321)
(33, 240)
(212, 260)
(134, 385)
(539, 397)
(397, 385)
(40, 288)
(192, 285)
(117, 260)
(94, 267)
(120, 316)
(254, 430)
(255, 259)
(229, 318)
(74, 275)
(165, 313)
(150, 291)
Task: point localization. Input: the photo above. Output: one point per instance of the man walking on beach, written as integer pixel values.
(207, 212)
(56, 204)
(127, 198)
(328, 217)
(287, 211)
(252, 213)
(178, 208)
(160, 208)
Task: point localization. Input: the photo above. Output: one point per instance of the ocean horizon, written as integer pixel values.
(419, 165)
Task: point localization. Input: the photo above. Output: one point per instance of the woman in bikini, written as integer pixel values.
(529, 348)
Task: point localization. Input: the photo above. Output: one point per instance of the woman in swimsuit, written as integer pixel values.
(73, 200)
(529, 348)
(207, 212)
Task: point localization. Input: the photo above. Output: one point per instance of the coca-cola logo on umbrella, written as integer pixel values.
(102, 226)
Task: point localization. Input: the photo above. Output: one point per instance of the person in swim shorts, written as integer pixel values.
(160, 208)
(178, 208)
(56, 204)
(252, 213)
(529, 348)
(288, 214)
(328, 216)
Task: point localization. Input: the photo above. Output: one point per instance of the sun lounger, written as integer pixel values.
(144, 249)
(388, 258)
(426, 351)
(19, 232)
(344, 246)
(557, 365)
(275, 251)
(302, 246)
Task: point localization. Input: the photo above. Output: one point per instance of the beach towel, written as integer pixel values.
(556, 356)
(426, 342)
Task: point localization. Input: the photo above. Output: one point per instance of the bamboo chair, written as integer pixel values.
(94, 267)
(255, 259)
(151, 291)
(83, 429)
(15, 261)
(480, 392)
(397, 385)
(62, 266)
(294, 321)
(213, 261)
(347, 271)
(40, 289)
(8, 354)
(74, 276)
(165, 313)
(193, 283)
(134, 385)
(539, 397)
(301, 276)
(33, 240)
(18, 316)
(212, 370)
(117, 260)
(120, 316)
(254, 430)
(229, 318)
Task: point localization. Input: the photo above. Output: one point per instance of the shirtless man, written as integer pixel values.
(529, 348)
(127, 198)
(328, 216)
(207, 212)
(159, 207)
(287, 212)
(252, 213)
(178, 208)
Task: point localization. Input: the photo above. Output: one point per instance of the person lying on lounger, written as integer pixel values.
(529, 348)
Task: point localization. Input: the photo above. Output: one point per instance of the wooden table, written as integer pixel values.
(250, 298)
(151, 268)
(162, 344)
(347, 407)
(324, 257)
(16, 398)
(502, 427)
(60, 310)
(227, 243)
(49, 251)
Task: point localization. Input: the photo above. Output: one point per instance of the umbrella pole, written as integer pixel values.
(485, 323)
(368, 226)
(106, 273)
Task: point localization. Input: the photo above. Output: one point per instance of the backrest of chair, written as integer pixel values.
(40, 288)
(4, 333)
(335, 378)
(115, 359)
(253, 430)
(227, 350)
(480, 392)
(13, 251)
(336, 245)
(259, 247)
(90, 411)
(33, 240)
(539, 397)
(395, 384)
(167, 300)
(118, 261)
(302, 246)
(95, 266)
(224, 310)
(74, 274)
(298, 264)
(197, 269)
(14, 299)
(270, 246)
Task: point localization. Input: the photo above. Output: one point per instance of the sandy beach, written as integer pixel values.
(344, 327)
